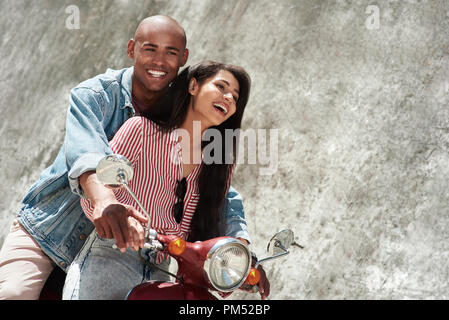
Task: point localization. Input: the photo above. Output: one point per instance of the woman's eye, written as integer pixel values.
(220, 86)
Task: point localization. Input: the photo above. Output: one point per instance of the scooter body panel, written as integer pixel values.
(159, 290)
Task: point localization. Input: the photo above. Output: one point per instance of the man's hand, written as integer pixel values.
(120, 222)
(264, 284)
(112, 219)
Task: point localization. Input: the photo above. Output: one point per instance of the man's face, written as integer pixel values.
(158, 53)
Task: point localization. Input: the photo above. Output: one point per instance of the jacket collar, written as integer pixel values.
(126, 83)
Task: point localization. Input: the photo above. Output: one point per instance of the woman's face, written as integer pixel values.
(214, 101)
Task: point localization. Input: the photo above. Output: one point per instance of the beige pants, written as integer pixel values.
(24, 267)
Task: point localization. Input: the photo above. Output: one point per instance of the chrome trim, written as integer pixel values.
(150, 234)
(220, 244)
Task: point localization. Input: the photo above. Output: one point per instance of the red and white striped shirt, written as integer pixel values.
(157, 161)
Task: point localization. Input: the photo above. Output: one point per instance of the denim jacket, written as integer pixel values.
(51, 210)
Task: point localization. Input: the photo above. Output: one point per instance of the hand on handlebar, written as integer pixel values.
(120, 222)
(263, 286)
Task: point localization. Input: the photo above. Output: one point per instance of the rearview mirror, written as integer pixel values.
(114, 171)
(279, 244)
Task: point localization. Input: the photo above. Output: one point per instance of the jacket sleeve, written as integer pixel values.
(235, 224)
(85, 142)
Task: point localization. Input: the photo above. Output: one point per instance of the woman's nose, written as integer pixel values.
(228, 96)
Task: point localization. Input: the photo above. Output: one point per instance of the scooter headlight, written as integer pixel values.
(227, 264)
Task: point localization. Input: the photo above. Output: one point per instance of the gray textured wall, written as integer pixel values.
(360, 105)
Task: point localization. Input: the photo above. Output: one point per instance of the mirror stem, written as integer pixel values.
(125, 184)
(272, 257)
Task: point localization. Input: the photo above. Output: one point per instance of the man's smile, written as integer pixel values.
(156, 73)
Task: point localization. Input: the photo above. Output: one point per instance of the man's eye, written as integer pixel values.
(172, 53)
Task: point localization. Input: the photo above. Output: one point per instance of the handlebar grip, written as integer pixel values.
(153, 245)
(250, 288)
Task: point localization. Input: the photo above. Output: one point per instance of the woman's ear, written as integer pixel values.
(193, 86)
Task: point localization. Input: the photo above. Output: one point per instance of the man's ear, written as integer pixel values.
(185, 57)
(130, 49)
(193, 87)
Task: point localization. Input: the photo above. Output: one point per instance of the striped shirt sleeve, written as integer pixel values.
(128, 139)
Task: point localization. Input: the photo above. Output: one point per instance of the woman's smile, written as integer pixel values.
(221, 108)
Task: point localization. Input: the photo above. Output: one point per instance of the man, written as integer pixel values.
(157, 50)
(51, 227)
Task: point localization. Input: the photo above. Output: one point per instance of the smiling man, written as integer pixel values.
(51, 227)
(157, 50)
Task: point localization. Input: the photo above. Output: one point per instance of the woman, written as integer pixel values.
(184, 195)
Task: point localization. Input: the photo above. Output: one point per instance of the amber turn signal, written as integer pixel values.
(177, 246)
(253, 277)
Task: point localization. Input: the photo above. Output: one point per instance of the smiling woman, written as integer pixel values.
(211, 93)
(193, 96)
(200, 94)
(214, 101)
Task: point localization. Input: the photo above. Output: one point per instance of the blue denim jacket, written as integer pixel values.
(51, 210)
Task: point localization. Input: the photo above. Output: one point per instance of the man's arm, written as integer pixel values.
(235, 224)
(85, 145)
(236, 227)
(85, 142)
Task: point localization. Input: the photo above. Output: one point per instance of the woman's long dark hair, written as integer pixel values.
(208, 220)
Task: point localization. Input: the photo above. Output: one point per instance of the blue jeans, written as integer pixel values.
(100, 272)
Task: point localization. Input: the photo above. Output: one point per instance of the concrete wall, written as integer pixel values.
(357, 92)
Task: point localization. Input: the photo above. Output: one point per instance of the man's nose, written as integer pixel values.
(159, 59)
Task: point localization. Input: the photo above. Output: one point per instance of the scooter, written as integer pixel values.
(207, 270)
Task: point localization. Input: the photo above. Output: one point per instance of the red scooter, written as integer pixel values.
(207, 270)
(220, 265)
